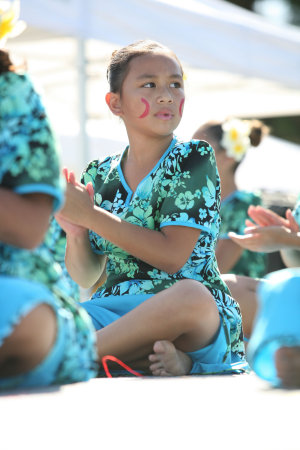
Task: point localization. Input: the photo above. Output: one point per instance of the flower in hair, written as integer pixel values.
(10, 25)
(235, 139)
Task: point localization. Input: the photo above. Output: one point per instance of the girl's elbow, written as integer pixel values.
(32, 242)
(172, 267)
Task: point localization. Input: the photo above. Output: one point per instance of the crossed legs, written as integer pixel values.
(180, 319)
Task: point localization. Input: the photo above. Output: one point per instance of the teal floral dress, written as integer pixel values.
(182, 189)
(234, 212)
(29, 164)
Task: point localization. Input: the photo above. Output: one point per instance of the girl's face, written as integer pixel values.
(152, 94)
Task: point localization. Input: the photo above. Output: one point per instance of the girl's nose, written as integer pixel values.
(165, 97)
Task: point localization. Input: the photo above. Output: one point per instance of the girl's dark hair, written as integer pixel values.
(213, 131)
(119, 62)
(5, 63)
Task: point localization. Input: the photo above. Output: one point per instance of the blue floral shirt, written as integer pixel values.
(28, 164)
(182, 189)
(234, 212)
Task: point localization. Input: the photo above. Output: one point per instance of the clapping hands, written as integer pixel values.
(78, 198)
(267, 232)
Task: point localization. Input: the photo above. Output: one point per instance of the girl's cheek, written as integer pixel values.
(147, 108)
(181, 106)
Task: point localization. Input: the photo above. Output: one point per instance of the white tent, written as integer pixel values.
(236, 63)
(210, 34)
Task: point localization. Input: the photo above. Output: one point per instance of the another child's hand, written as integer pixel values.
(293, 224)
(266, 218)
(262, 239)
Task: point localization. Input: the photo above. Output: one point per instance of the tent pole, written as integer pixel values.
(82, 103)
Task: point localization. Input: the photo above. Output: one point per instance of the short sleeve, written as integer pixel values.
(28, 149)
(234, 212)
(192, 188)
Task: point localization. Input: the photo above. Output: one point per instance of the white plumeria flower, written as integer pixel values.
(235, 139)
(10, 25)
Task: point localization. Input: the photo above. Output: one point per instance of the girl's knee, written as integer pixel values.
(194, 299)
(30, 342)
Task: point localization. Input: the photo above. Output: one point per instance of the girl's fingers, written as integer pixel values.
(90, 189)
(248, 223)
(66, 174)
(251, 229)
(292, 223)
(72, 178)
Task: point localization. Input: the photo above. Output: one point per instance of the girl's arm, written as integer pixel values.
(84, 266)
(167, 249)
(24, 218)
(227, 253)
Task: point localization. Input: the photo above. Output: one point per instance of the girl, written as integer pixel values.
(153, 225)
(45, 337)
(231, 140)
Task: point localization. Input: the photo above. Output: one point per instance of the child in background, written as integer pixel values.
(154, 223)
(231, 139)
(278, 294)
(45, 337)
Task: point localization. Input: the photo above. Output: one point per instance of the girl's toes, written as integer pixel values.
(156, 366)
(153, 357)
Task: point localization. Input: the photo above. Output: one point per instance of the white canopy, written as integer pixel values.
(236, 63)
(210, 34)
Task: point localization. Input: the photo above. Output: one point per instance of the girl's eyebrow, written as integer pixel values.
(147, 76)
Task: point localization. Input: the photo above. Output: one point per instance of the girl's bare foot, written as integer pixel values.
(287, 360)
(168, 361)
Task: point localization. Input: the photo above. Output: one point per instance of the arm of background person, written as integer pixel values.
(227, 253)
(24, 218)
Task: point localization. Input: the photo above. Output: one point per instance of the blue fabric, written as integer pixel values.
(106, 310)
(217, 357)
(277, 323)
(68, 361)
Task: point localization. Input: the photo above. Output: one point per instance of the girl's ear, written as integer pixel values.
(113, 102)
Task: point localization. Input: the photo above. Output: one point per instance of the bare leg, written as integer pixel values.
(243, 290)
(287, 360)
(185, 314)
(30, 342)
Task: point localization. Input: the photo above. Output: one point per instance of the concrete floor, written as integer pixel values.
(193, 412)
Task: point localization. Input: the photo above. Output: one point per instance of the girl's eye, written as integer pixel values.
(175, 84)
(150, 84)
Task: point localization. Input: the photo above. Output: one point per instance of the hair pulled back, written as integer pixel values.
(5, 62)
(118, 66)
(213, 130)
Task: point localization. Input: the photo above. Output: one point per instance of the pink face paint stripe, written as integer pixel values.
(181, 106)
(147, 108)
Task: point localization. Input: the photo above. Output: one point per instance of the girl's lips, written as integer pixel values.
(164, 115)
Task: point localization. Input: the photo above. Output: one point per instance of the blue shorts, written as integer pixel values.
(218, 357)
(73, 355)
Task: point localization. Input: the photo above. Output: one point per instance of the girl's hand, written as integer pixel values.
(293, 225)
(262, 239)
(267, 218)
(68, 225)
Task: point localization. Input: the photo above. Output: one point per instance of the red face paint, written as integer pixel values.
(181, 106)
(147, 108)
